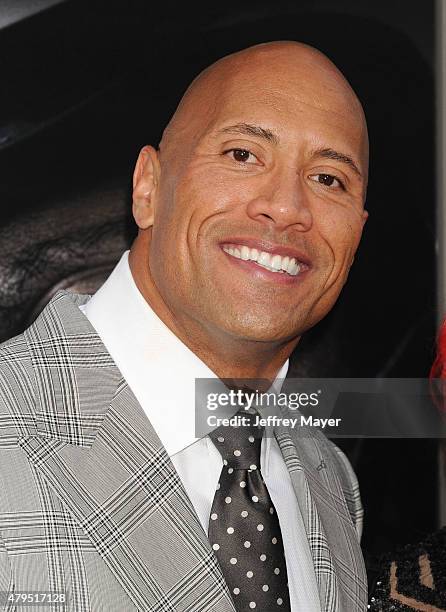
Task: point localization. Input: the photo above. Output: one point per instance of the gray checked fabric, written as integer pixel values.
(243, 528)
(91, 505)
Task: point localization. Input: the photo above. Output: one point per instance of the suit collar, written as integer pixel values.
(75, 376)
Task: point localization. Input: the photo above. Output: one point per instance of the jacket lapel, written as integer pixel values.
(98, 451)
(332, 537)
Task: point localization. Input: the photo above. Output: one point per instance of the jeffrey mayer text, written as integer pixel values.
(272, 421)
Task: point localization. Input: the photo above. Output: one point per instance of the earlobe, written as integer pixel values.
(145, 180)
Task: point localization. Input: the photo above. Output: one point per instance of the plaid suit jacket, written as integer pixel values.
(91, 505)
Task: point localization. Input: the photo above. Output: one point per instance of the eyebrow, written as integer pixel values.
(251, 130)
(255, 130)
(341, 157)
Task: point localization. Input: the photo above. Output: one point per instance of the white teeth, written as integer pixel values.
(274, 263)
(264, 259)
(244, 252)
(291, 265)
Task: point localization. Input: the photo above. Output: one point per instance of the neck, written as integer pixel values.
(228, 356)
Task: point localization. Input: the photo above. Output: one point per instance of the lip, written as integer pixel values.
(268, 247)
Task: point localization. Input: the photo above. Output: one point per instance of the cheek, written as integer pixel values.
(183, 210)
(342, 233)
(197, 207)
(210, 192)
(175, 207)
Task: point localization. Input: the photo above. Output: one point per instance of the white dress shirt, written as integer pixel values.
(161, 372)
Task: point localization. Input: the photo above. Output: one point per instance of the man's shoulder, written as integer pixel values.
(342, 477)
(15, 345)
(15, 360)
(21, 354)
(349, 484)
(52, 324)
(342, 463)
(17, 414)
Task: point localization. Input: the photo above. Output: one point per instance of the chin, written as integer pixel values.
(260, 329)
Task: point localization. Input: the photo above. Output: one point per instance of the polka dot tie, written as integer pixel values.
(244, 529)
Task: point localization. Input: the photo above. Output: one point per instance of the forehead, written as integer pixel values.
(318, 110)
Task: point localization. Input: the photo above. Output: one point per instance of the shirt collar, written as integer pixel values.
(158, 367)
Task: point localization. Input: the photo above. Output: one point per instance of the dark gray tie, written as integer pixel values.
(243, 526)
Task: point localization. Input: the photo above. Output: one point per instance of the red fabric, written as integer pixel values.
(438, 371)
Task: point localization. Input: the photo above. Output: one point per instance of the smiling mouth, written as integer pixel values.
(269, 261)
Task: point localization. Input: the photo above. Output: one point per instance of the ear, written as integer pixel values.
(145, 181)
(365, 216)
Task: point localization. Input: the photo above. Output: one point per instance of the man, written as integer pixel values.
(249, 216)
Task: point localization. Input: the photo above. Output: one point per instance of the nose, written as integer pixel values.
(283, 202)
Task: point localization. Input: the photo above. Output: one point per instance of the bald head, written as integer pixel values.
(265, 157)
(283, 68)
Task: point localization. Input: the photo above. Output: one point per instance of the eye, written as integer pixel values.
(328, 180)
(242, 156)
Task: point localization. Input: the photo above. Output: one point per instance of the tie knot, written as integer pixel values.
(239, 442)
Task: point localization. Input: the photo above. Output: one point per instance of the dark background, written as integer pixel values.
(85, 84)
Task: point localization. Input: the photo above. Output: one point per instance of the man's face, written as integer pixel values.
(274, 178)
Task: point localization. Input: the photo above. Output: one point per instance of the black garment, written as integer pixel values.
(412, 578)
